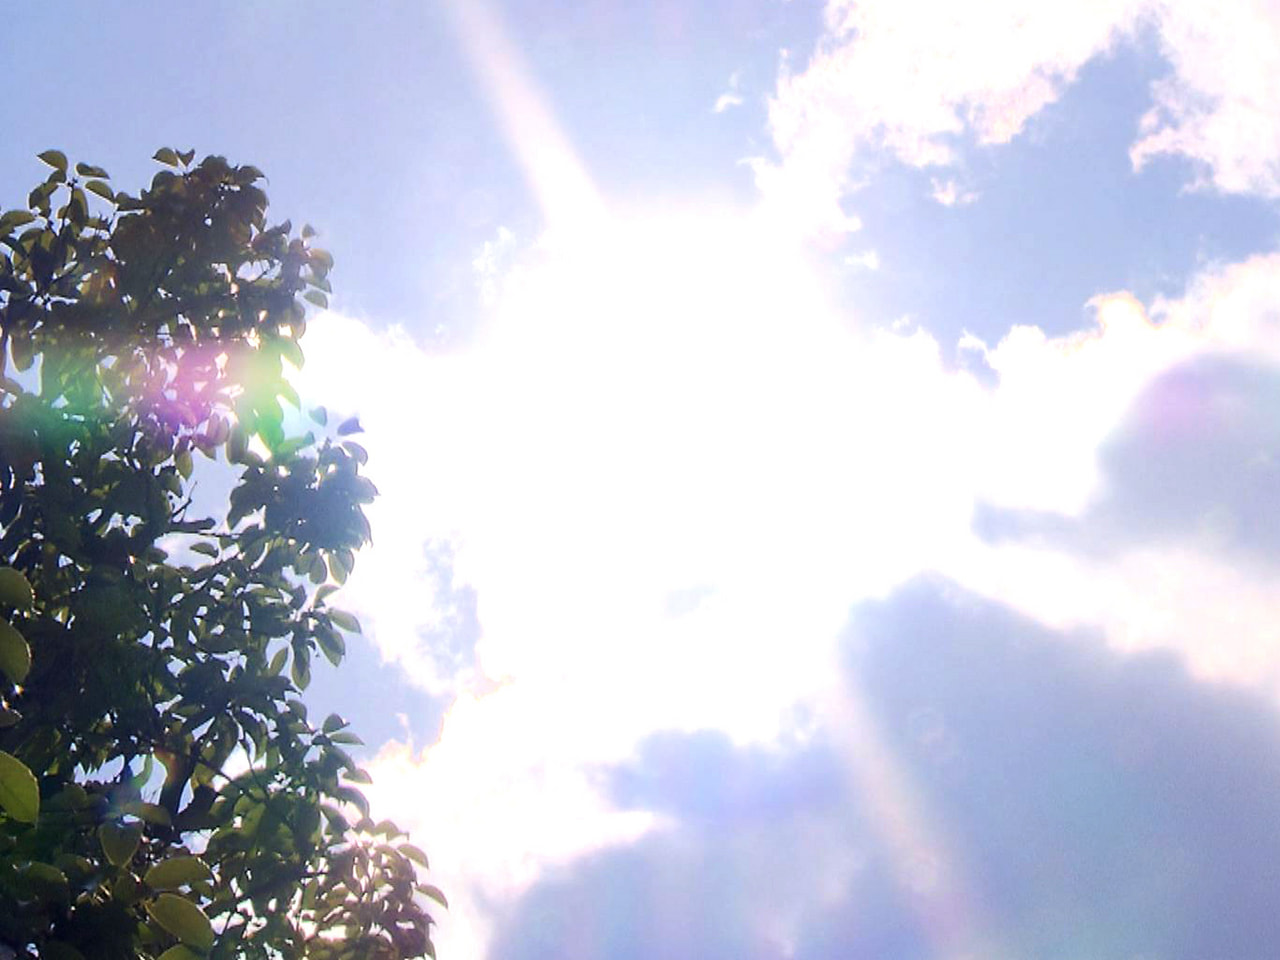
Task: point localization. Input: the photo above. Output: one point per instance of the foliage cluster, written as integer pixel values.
(163, 792)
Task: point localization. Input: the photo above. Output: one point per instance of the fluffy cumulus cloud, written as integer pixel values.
(658, 504)
(923, 79)
(1219, 106)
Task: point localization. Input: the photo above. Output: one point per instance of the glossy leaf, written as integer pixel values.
(182, 918)
(19, 792)
(177, 872)
(120, 841)
(15, 589)
(15, 654)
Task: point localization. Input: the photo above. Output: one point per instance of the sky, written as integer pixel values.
(828, 452)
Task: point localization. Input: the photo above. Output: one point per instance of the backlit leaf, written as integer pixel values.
(19, 792)
(120, 841)
(15, 655)
(177, 872)
(182, 918)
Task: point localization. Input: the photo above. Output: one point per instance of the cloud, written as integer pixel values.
(1091, 803)
(921, 79)
(415, 607)
(1220, 105)
(731, 97)
(1142, 542)
(1195, 463)
(488, 265)
(951, 194)
(866, 260)
(727, 100)
(643, 506)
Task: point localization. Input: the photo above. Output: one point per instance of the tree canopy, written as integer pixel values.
(163, 792)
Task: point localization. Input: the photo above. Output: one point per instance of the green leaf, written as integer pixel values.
(19, 792)
(120, 841)
(15, 589)
(358, 775)
(101, 189)
(126, 888)
(345, 620)
(176, 872)
(277, 662)
(15, 655)
(47, 880)
(180, 952)
(317, 570)
(150, 812)
(57, 950)
(54, 158)
(183, 919)
(300, 669)
(15, 218)
(317, 298)
(289, 350)
(338, 568)
(434, 892)
(166, 156)
(331, 646)
(354, 797)
(89, 170)
(410, 852)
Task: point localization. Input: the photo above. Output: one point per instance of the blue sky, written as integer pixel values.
(827, 450)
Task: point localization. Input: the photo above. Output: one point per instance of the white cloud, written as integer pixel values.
(950, 194)
(727, 100)
(672, 405)
(489, 263)
(915, 77)
(1221, 104)
(866, 260)
(731, 97)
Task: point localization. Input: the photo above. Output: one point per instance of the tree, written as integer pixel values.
(162, 790)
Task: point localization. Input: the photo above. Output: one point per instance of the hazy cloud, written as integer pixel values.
(1096, 805)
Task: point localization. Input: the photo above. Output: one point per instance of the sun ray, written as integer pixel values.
(558, 179)
(924, 866)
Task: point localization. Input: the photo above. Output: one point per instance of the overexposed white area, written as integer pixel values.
(669, 463)
(668, 496)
